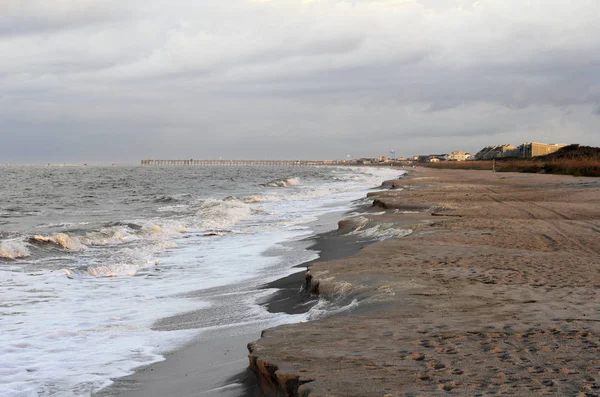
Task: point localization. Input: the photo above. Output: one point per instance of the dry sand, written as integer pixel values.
(495, 293)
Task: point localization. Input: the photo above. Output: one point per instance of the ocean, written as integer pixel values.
(93, 260)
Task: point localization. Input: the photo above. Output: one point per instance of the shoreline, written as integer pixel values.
(497, 294)
(211, 357)
(199, 367)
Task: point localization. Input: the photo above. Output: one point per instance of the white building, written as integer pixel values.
(458, 156)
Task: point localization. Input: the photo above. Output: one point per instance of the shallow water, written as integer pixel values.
(91, 260)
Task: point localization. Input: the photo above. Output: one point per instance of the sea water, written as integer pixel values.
(92, 259)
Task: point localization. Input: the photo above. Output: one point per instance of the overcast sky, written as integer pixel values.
(104, 81)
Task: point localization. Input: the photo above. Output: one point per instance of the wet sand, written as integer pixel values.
(494, 293)
(196, 370)
(216, 363)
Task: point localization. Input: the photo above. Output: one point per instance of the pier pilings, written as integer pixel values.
(235, 163)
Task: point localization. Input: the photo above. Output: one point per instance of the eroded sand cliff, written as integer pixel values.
(494, 293)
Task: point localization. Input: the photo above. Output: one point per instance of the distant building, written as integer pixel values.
(433, 160)
(366, 161)
(458, 156)
(496, 152)
(535, 149)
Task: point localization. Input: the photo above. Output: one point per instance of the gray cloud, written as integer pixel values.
(42, 17)
(107, 81)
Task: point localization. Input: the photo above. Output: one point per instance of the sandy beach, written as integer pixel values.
(305, 198)
(216, 362)
(495, 292)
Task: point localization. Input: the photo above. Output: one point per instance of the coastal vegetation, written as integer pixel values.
(571, 160)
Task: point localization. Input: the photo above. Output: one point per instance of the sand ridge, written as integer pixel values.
(495, 295)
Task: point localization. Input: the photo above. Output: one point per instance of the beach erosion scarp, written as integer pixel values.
(494, 292)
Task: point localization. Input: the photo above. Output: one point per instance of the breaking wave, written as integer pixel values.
(284, 182)
(250, 200)
(125, 262)
(165, 230)
(113, 271)
(62, 240)
(221, 214)
(108, 267)
(109, 236)
(116, 270)
(14, 249)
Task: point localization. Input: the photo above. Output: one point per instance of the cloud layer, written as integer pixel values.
(106, 80)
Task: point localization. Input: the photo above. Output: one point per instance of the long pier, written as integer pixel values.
(238, 163)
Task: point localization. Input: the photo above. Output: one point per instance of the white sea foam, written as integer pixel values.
(327, 308)
(221, 214)
(367, 213)
(75, 341)
(13, 249)
(294, 181)
(113, 270)
(109, 236)
(250, 200)
(179, 208)
(166, 229)
(380, 232)
(140, 245)
(57, 323)
(62, 240)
